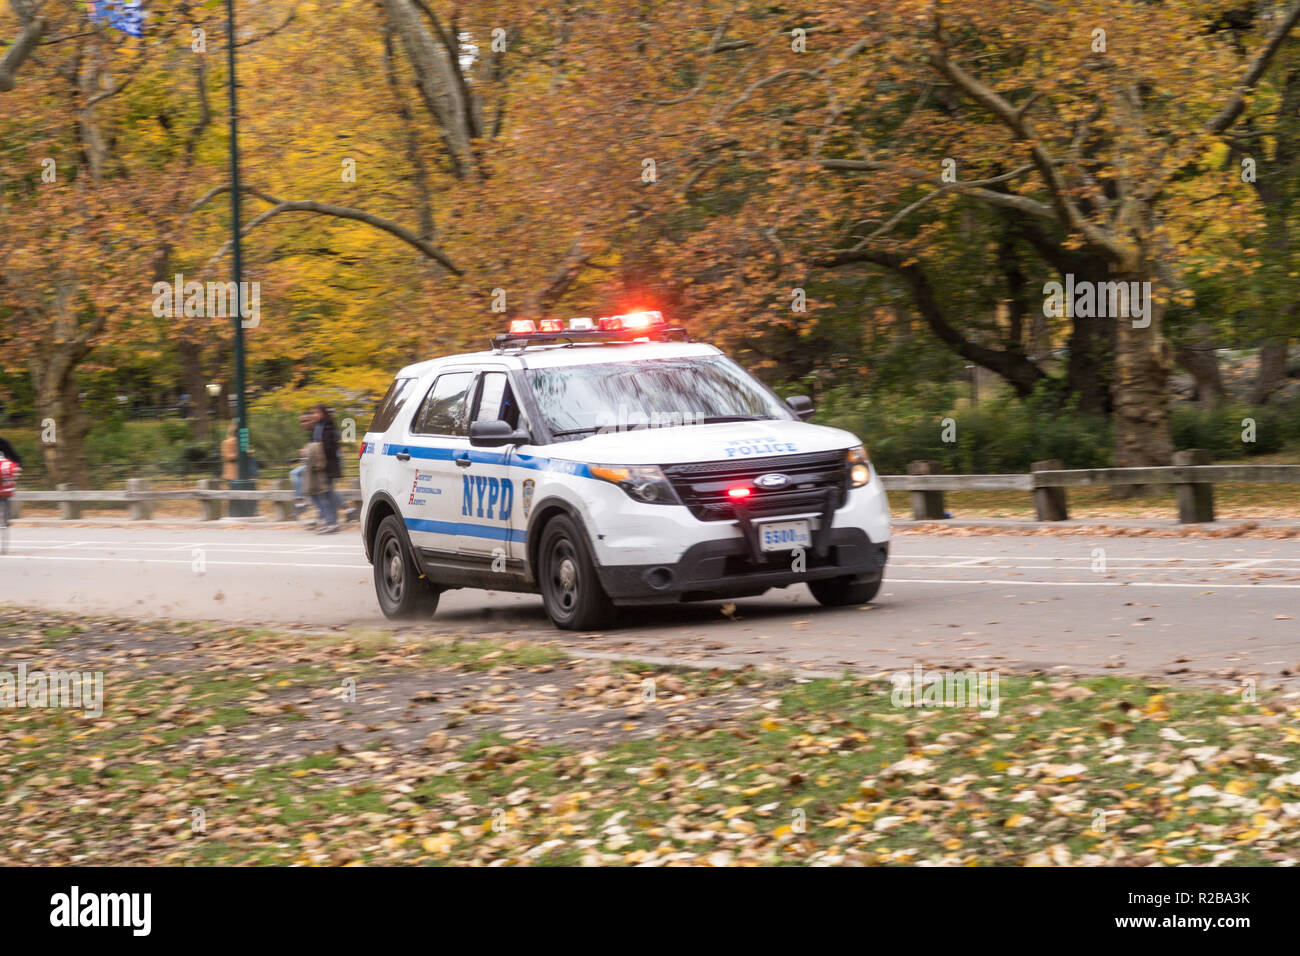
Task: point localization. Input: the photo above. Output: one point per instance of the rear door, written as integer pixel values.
(379, 470)
(430, 496)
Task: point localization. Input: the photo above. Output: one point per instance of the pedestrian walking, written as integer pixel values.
(323, 462)
(230, 455)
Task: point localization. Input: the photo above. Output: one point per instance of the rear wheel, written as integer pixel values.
(570, 587)
(837, 592)
(402, 592)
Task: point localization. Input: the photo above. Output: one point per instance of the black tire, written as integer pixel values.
(570, 587)
(402, 592)
(838, 592)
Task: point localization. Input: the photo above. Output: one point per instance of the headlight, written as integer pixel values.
(644, 483)
(859, 467)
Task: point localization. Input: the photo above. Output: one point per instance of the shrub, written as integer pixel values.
(1000, 436)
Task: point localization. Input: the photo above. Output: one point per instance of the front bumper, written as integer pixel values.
(732, 568)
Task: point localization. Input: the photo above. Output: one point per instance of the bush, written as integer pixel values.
(1007, 435)
(1000, 436)
(1221, 429)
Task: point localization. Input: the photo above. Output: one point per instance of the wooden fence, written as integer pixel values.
(1192, 478)
(210, 495)
(1193, 481)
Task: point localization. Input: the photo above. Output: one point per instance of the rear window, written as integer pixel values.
(392, 403)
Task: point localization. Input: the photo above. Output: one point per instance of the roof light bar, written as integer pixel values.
(640, 326)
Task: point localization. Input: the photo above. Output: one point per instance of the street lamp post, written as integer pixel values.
(237, 508)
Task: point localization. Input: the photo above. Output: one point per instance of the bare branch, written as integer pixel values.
(973, 188)
(280, 206)
(18, 51)
(1068, 213)
(1228, 115)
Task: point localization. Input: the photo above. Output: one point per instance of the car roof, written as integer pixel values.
(548, 356)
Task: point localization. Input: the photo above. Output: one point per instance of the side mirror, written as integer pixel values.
(801, 405)
(494, 434)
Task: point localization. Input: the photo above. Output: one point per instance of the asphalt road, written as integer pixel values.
(1184, 608)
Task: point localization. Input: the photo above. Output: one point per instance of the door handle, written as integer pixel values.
(403, 456)
(463, 462)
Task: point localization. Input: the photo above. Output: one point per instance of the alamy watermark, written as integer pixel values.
(1087, 300)
(208, 300)
(82, 690)
(625, 419)
(922, 688)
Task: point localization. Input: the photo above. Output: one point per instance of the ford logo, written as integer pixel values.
(772, 480)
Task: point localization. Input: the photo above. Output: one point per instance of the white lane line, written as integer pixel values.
(1110, 568)
(1110, 559)
(229, 548)
(1204, 586)
(209, 561)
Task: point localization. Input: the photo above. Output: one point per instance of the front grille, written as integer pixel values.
(702, 486)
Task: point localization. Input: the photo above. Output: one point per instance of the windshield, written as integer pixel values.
(650, 393)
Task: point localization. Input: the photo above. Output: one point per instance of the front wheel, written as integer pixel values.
(570, 588)
(837, 592)
(402, 592)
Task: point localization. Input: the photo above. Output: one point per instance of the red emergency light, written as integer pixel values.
(631, 321)
(739, 493)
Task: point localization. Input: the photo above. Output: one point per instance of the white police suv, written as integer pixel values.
(606, 463)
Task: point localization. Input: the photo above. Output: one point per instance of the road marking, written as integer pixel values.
(208, 561)
(1110, 568)
(1204, 586)
(1072, 557)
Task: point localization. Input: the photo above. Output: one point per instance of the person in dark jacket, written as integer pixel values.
(7, 450)
(325, 434)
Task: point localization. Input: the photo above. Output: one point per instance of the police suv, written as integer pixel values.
(610, 462)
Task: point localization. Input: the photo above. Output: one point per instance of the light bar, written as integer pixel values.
(645, 325)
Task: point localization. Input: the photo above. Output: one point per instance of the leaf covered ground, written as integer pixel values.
(236, 746)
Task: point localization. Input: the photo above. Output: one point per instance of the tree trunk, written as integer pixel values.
(63, 423)
(1141, 392)
(1272, 369)
(1090, 369)
(437, 77)
(1201, 360)
(191, 357)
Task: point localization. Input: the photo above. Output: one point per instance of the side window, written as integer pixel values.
(445, 407)
(491, 390)
(392, 403)
(496, 400)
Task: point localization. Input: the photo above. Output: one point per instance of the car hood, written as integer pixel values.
(724, 441)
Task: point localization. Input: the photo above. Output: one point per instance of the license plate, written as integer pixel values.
(784, 536)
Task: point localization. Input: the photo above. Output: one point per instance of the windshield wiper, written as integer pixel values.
(576, 431)
(715, 419)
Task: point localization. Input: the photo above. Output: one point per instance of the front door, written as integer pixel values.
(489, 496)
(430, 498)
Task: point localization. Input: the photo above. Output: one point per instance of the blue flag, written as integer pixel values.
(124, 15)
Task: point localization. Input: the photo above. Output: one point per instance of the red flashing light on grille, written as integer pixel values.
(738, 493)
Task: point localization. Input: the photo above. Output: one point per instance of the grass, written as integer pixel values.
(806, 772)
